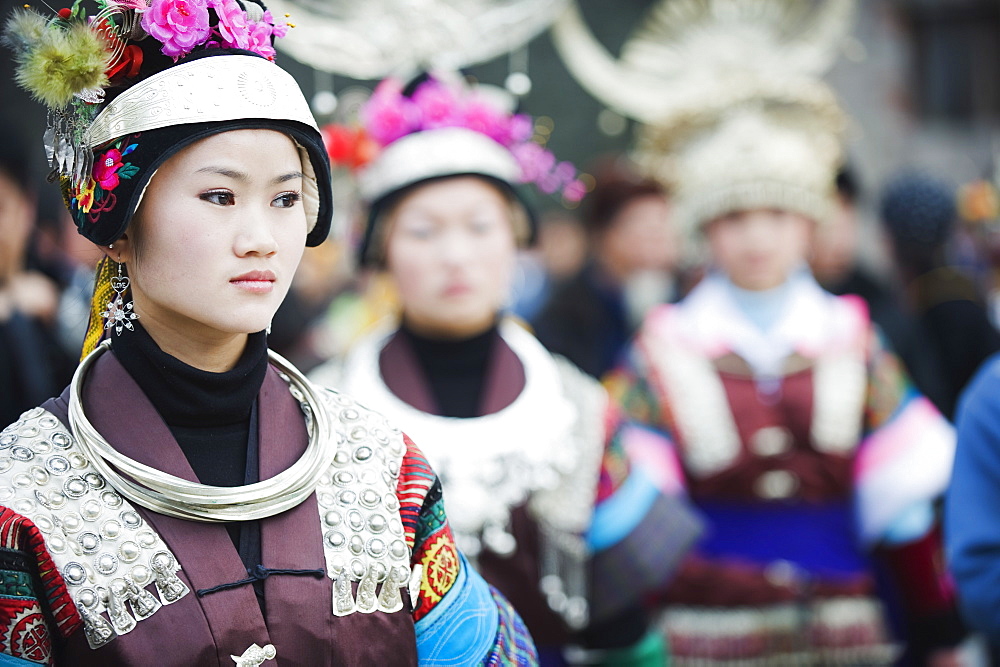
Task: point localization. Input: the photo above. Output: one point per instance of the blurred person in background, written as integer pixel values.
(634, 252)
(919, 214)
(815, 464)
(531, 454)
(972, 506)
(556, 256)
(836, 263)
(33, 366)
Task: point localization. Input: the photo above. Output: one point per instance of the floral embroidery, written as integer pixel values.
(94, 195)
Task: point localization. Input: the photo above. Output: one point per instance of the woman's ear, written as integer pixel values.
(121, 251)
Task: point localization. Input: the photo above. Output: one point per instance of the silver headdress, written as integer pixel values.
(379, 38)
(728, 93)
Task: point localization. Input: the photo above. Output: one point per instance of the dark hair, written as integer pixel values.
(613, 191)
(918, 209)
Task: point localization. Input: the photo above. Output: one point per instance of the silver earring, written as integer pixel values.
(119, 314)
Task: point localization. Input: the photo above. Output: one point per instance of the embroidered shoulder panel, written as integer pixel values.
(694, 390)
(363, 538)
(109, 557)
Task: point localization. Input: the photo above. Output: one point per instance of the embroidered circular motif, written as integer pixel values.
(257, 89)
(28, 637)
(440, 563)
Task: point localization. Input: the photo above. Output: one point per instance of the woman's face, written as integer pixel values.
(450, 250)
(642, 237)
(758, 249)
(221, 231)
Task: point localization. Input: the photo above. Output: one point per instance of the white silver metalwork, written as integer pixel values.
(173, 496)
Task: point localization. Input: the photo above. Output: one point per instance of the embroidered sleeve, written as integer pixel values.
(34, 603)
(907, 452)
(642, 523)
(460, 619)
(631, 389)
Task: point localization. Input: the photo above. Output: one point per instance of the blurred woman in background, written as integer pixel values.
(531, 455)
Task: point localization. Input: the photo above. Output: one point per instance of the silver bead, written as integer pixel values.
(398, 549)
(71, 522)
(129, 551)
(57, 465)
(106, 563)
(75, 487)
(91, 510)
(111, 499)
(74, 573)
(40, 475)
(377, 523)
(375, 547)
(111, 530)
(335, 539)
(19, 453)
(89, 542)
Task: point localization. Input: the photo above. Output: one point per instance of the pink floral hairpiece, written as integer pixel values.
(183, 25)
(390, 115)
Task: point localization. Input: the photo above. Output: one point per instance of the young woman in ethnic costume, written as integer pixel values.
(530, 453)
(796, 432)
(191, 499)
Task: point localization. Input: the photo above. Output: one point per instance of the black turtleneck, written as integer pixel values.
(455, 369)
(209, 414)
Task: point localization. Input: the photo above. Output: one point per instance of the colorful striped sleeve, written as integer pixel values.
(460, 619)
(34, 601)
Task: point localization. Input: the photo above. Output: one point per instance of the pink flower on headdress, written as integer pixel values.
(389, 115)
(574, 190)
(534, 160)
(106, 169)
(438, 105)
(180, 25)
(278, 28)
(259, 40)
(520, 128)
(233, 27)
(487, 119)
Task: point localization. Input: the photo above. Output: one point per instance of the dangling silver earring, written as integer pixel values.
(119, 314)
